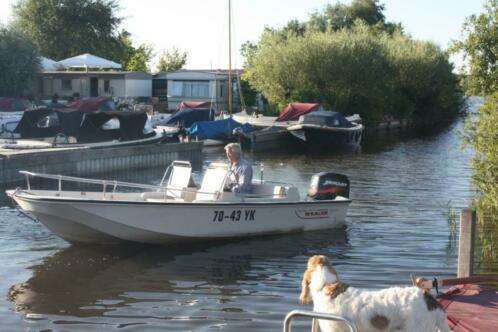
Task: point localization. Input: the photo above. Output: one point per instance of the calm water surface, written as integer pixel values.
(397, 224)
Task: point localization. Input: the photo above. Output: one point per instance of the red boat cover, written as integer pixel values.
(471, 308)
(294, 110)
(89, 104)
(8, 104)
(192, 104)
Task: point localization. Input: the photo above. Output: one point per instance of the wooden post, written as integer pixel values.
(466, 243)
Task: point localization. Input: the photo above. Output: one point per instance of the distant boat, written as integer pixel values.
(217, 132)
(307, 125)
(49, 128)
(11, 111)
(327, 130)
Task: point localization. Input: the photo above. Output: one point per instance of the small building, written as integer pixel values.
(91, 76)
(118, 84)
(196, 85)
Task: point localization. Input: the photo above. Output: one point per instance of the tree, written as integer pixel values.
(19, 62)
(480, 47)
(172, 60)
(140, 58)
(340, 16)
(64, 28)
(358, 70)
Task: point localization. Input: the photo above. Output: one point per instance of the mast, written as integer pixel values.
(229, 57)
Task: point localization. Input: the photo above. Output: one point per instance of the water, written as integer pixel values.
(397, 224)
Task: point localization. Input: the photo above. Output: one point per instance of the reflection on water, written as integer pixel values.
(402, 190)
(114, 281)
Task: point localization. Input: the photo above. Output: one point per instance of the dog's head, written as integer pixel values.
(319, 272)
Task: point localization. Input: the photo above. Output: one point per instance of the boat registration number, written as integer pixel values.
(235, 215)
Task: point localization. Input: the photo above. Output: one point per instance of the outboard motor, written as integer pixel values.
(327, 185)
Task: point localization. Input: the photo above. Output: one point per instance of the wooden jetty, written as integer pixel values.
(84, 161)
(470, 307)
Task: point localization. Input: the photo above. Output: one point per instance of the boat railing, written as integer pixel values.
(317, 315)
(104, 183)
(115, 184)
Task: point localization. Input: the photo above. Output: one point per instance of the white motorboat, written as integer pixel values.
(177, 211)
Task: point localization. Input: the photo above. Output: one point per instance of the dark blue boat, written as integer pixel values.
(327, 130)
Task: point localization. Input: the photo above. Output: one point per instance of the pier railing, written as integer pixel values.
(467, 248)
(317, 315)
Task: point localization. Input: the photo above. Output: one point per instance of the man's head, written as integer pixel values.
(234, 152)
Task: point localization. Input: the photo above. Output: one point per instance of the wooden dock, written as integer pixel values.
(470, 307)
(85, 162)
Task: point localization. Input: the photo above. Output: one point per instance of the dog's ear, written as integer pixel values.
(305, 296)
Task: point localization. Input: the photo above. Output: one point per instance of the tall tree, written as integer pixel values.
(172, 60)
(64, 28)
(480, 47)
(140, 59)
(19, 62)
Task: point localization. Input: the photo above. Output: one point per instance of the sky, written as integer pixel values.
(200, 27)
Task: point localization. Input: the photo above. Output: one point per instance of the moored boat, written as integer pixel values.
(56, 128)
(177, 211)
(327, 129)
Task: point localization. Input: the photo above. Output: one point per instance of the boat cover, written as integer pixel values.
(131, 126)
(294, 110)
(218, 129)
(188, 116)
(70, 121)
(92, 104)
(326, 118)
(33, 124)
(8, 104)
(86, 127)
(470, 308)
(193, 104)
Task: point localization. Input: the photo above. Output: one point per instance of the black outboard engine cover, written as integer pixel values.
(326, 185)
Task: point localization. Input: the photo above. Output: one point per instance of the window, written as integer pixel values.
(190, 89)
(177, 89)
(223, 90)
(66, 85)
(107, 86)
(196, 89)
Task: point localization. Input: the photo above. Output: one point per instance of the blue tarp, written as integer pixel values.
(188, 116)
(218, 129)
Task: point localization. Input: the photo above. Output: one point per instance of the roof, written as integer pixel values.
(88, 60)
(203, 72)
(110, 73)
(49, 64)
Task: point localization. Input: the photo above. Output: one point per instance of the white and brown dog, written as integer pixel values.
(393, 309)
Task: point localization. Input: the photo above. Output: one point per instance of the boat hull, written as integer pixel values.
(319, 138)
(107, 221)
(267, 139)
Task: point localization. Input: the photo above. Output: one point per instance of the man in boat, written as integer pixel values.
(241, 177)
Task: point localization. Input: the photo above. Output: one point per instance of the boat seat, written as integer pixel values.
(279, 192)
(179, 179)
(213, 182)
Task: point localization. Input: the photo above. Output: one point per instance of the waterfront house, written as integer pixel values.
(196, 85)
(118, 84)
(92, 76)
